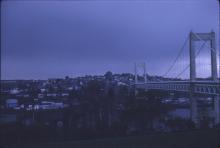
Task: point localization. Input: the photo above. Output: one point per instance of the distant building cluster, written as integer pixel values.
(51, 93)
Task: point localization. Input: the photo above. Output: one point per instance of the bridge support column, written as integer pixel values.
(193, 104)
(217, 109)
(135, 73)
(192, 54)
(194, 110)
(213, 57)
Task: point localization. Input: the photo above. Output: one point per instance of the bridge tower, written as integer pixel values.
(214, 75)
(142, 67)
(202, 37)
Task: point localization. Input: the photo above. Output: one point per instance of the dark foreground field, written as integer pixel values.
(208, 138)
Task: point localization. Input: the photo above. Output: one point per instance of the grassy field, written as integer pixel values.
(189, 139)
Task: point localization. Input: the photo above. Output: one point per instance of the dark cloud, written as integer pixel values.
(54, 38)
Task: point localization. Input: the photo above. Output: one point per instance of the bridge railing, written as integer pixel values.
(202, 87)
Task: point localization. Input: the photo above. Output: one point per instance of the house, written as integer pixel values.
(11, 103)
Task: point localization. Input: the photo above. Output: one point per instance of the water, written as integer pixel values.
(7, 118)
(180, 112)
(185, 112)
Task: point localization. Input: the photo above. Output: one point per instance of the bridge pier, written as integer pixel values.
(193, 109)
(217, 109)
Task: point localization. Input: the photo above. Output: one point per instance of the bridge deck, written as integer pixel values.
(202, 87)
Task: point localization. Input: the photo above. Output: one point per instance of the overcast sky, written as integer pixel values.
(52, 39)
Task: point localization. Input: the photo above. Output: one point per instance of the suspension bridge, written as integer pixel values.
(192, 85)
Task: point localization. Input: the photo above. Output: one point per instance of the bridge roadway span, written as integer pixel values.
(199, 87)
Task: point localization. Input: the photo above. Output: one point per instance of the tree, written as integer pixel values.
(108, 75)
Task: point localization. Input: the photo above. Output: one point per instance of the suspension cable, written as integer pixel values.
(177, 57)
(197, 54)
(212, 49)
(206, 45)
